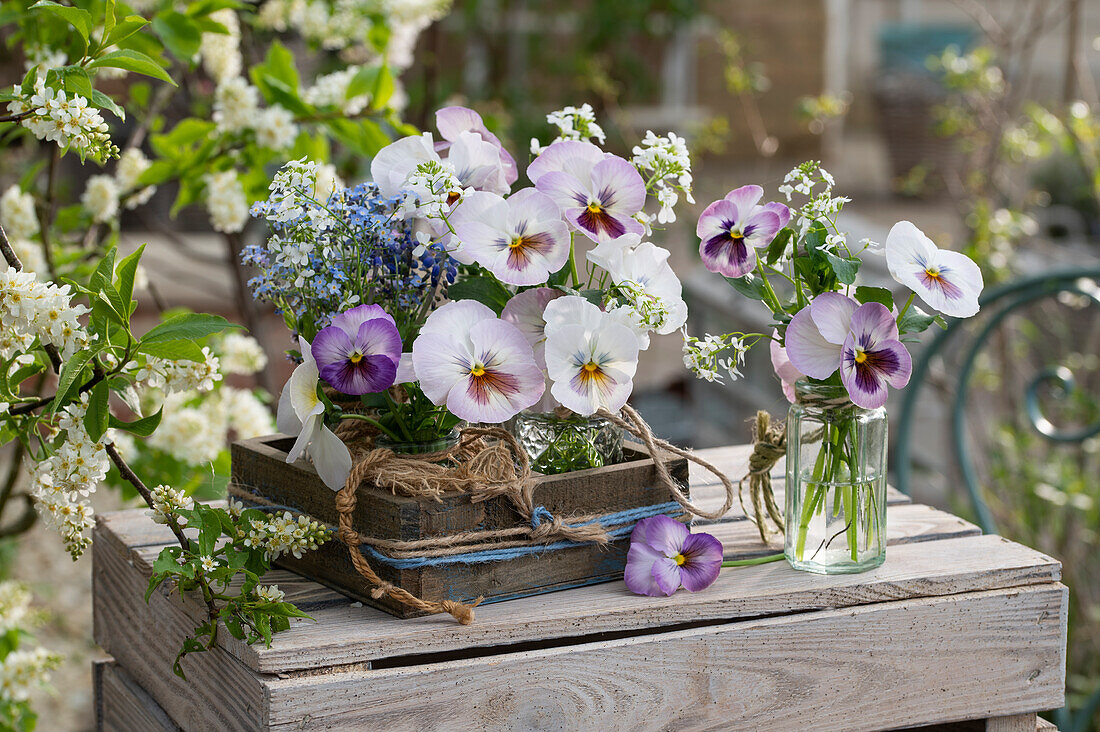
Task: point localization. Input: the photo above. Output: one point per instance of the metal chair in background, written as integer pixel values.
(959, 354)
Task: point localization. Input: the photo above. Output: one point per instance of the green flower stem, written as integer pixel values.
(813, 493)
(395, 410)
(374, 422)
(906, 308)
(573, 261)
(755, 560)
(771, 299)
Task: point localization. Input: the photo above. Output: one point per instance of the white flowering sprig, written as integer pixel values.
(231, 551)
(704, 357)
(573, 123)
(70, 435)
(665, 163)
(22, 669)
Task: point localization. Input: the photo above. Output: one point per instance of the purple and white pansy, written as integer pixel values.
(360, 352)
(482, 368)
(453, 121)
(665, 556)
(948, 281)
(591, 356)
(836, 332)
(599, 193)
(522, 239)
(731, 228)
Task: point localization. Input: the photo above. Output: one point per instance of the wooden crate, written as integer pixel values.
(954, 626)
(260, 467)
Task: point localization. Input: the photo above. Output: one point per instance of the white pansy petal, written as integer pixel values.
(573, 157)
(533, 208)
(440, 362)
(908, 251)
(331, 458)
(456, 318)
(393, 163)
(310, 426)
(963, 284)
(608, 254)
(832, 313)
(572, 310)
(286, 420)
(303, 390)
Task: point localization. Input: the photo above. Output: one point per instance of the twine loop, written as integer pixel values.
(769, 445)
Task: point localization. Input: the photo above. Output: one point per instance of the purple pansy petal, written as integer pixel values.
(567, 191)
(477, 163)
(832, 314)
(453, 121)
(332, 345)
(808, 351)
(744, 199)
(779, 210)
(703, 561)
(638, 575)
(761, 227)
(370, 375)
(663, 533)
(618, 186)
(784, 369)
(573, 157)
(716, 219)
(526, 311)
(872, 323)
(866, 380)
(666, 573)
(349, 321)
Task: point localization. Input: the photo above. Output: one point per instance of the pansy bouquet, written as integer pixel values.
(836, 346)
(439, 293)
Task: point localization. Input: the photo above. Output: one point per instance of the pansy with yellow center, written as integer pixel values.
(591, 356)
(948, 281)
(359, 353)
(521, 239)
(665, 556)
(480, 367)
(731, 228)
(598, 192)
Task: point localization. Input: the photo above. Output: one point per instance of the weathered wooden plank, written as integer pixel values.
(1042, 725)
(883, 666)
(220, 692)
(122, 705)
(345, 634)
(1014, 723)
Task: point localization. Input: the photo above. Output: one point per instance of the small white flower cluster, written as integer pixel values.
(17, 214)
(180, 376)
(820, 205)
(237, 109)
(226, 202)
(31, 309)
(241, 354)
(195, 429)
(293, 189)
(269, 593)
(432, 189)
(650, 311)
(15, 606)
(43, 57)
(221, 52)
(573, 123)
(667, 163)
(702, 356)
(104, 195)
(283, 534)
(69, 475)
(23, 669)
(167, 503)
(65, 119)
(331, 90)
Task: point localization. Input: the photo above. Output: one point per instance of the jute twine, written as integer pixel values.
(483, 465)
(769, 444)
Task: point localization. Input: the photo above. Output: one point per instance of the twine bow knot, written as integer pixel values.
(540, 514)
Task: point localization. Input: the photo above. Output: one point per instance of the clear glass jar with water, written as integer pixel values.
(836, 482)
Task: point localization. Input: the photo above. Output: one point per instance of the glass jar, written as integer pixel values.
(836, 482)
(557, 443)
(419, 448)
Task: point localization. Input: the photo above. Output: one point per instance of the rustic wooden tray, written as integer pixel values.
(260, 468)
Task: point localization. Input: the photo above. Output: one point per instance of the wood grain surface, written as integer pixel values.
(122, 705)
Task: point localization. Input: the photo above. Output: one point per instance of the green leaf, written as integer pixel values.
(916, 320)
(778, 245)
(187, 326)
(750, 286)
(141, 427)
(845, 269)
(104, 272)
(73, 79)
(866, 294)
(125, 273)
(384, 88)
(365, 81)
(485, 290)
(71, 371)
(178, 350)
(99, 409)
(135, 61)
(125, 28)
(279, 65)
(181, 34)
(76, 17)
(103, 101)
(209, 532)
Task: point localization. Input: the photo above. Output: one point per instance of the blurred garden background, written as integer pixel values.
(979, 121)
